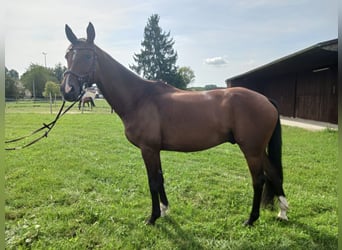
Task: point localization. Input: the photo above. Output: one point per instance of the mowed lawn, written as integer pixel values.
(85, 187)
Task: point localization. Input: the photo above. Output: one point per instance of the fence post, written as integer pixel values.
(50, 103)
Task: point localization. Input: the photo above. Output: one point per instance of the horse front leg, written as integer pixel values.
(156, 184)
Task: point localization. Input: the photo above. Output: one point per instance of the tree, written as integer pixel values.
(157, 59)
(210, 87)
(12, 88)
(187, 76)
(182, 77)
(58, 71)
(51, 88)
(12, 74)
(35, 77)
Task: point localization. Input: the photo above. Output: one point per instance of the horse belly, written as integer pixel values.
(194, 126)
(190, 139)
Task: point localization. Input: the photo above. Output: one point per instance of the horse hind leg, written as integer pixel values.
(258, 178)
(284, 206)
(274, 187)
(164, 203)
(262, 172)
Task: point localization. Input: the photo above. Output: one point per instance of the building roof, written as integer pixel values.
(316, 57)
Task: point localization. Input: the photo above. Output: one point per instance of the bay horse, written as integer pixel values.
(86, 100)
(158, 116)
(87, 97)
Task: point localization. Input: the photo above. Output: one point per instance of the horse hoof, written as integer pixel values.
(247, 223)
(149, 222)
(163, 210)
(152, 220)
(282, 217)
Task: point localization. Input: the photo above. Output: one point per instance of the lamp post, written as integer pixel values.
(44, 53)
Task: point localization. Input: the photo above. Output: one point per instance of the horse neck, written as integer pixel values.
(119, 86)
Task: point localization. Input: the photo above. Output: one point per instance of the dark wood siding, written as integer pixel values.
(317, 96)
(308, 95)
(283, 90)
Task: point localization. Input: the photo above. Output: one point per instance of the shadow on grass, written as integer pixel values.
(180, 238)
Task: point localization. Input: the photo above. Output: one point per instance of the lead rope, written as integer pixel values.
(48, 126)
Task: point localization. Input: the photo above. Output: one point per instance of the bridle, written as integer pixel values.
(86, 79)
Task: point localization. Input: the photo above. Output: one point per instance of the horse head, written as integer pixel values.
(81, 61)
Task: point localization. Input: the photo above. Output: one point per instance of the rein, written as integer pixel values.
(84, 80)
(48, 126)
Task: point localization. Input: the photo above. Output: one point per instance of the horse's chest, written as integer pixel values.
(143, 132)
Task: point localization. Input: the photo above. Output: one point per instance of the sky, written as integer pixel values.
(217, 39)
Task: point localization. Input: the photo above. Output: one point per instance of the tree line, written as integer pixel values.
(38, 80)
(156, 61)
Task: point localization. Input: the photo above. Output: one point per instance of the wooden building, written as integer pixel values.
(304, 84)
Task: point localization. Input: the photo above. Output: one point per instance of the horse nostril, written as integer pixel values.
(68, 89)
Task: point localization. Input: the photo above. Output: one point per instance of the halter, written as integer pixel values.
(85, 79)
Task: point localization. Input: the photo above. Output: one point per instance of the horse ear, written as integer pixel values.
(70, 35)
(90, 33)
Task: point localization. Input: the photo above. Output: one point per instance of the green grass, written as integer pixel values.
(85, 187)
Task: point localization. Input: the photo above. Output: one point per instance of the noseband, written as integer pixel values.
(88, 78)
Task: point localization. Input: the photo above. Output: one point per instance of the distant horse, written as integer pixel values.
(88, 97)
(157, 116)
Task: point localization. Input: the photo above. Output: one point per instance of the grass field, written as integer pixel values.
(85, 187)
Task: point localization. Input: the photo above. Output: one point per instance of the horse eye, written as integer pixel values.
(67, 55)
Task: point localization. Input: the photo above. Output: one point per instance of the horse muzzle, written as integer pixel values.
(70, 92)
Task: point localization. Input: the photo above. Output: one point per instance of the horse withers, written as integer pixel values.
(158, 116)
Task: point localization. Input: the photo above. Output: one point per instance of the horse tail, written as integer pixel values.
(274, 151)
